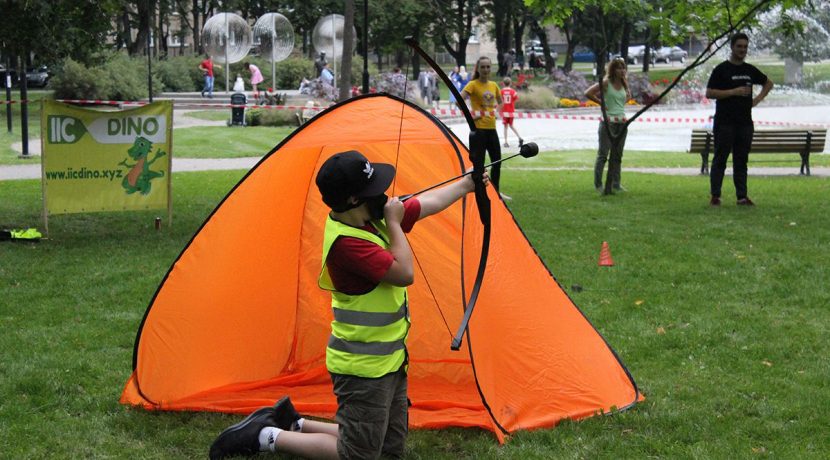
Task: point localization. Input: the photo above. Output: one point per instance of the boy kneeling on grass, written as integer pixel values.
(367, 264)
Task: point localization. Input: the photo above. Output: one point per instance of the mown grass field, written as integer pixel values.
(721, 315)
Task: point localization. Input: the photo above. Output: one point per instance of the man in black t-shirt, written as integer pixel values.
(731, 86)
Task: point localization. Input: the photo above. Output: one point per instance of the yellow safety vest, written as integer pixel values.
(368, 333)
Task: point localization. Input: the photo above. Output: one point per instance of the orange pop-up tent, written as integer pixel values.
(239, 320)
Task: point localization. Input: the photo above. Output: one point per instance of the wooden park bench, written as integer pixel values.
(800, 141)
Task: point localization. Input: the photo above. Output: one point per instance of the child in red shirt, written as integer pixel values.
(509, 96)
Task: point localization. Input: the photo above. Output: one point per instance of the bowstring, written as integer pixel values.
(394, 185)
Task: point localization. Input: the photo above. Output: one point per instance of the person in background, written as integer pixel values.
(424, 87)
(327, 75)
(256, 78)
(454, 78)
(239, 84)
(320, 63)
(613, 131)
(207, 66)
(509, 96)
(731, 86)
(485, 98)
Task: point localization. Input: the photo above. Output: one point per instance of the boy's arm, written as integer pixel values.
(400, 273)
(435, 201)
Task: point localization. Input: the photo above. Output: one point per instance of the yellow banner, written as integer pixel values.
(96, 160)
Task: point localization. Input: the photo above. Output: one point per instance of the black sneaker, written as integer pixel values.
(745, 202)
(243, 437)
(714, 201)
(285, 415)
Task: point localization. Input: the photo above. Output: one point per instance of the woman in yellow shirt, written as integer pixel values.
(485, 99)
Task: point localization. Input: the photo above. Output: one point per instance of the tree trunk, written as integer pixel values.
(143, 14)
(348, 47)
(519, 23)
(415, 60)
(647, 51)
(571, 44)
(793, 72)
(501, 22)
(463, 22)
(625, 40)
(197, 28)
(126, 36)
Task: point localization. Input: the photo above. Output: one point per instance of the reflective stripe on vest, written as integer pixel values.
(366, 348)
(367, 318)
(368, 333)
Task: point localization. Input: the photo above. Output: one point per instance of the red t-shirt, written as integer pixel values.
(208, 64)
(509, 98)
(356, 266)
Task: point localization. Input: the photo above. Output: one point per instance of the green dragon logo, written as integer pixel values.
(139, 177)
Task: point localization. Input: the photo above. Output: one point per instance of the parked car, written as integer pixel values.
(637, 53)
(535, 47)
(39, 77)
(582, 54)
(670, 54)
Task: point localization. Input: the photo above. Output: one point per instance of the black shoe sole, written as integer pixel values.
(231, 430)
(285, 414)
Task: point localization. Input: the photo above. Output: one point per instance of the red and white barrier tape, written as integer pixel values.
(440, 112)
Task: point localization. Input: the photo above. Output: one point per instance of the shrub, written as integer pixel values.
(75, 81)
(179, 73)
(270, 117)
(640, 87)
(118, 78)
(318, 89)
(537, 98)
(571, 85)
(291, 72)
(394, 84)
(128, 77)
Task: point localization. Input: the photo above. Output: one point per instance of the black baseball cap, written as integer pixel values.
(348, 174)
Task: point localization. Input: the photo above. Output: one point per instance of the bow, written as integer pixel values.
(477, 148)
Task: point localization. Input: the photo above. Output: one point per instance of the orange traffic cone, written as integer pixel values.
(605, 259)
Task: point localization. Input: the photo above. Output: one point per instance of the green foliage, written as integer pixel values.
(798, 34)
(179, 74)
(76, 81)
(357, 70)
(537, 98)
(128, 78)
(119, 78)
(269, 117)
(291, 72)
(53, 30)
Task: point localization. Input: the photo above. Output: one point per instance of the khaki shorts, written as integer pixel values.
(372, 414)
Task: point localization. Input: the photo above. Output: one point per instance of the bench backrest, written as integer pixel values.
(769, 140)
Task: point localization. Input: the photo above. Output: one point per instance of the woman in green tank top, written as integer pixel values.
(615, 94)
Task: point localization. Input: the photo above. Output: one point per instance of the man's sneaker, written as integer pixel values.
(243, 437)
(285, 415)
(714, 201)
(620, 188)
(506, 144)
(745, 202)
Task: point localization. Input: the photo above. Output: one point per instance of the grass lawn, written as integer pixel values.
(652, 159)
(227, 142)
(720, 315)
